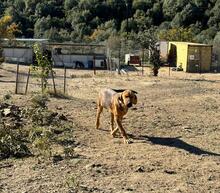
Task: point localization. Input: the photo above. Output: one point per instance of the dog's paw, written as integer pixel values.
(127, 141)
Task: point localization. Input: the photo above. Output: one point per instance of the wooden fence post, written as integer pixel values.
(17, 73)
(54, 85)
(26, 88)
(64, 88)
(94, 67)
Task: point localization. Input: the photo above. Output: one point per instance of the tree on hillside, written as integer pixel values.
(104, 31)
(176, 34)
(7, 30)
(69, 4)
(79, 20)
(172, 7)
(207, 36)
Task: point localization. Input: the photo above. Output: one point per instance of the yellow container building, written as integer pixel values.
(191, 57)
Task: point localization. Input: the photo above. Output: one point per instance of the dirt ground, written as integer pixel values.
(175, 129)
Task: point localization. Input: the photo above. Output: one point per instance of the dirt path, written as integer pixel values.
(175, 130)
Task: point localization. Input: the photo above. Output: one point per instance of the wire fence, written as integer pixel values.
(27, 81)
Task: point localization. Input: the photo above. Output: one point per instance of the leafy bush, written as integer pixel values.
(32, 129)
(43, 145)
(40, 101)
(12, 143)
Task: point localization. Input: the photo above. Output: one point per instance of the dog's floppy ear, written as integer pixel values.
(134, 91)
(134, 99)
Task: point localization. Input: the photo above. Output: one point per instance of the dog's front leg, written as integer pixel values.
(112, 125)
(118, 121)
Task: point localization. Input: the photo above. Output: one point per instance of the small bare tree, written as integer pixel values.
(114, 45)
(42, 66)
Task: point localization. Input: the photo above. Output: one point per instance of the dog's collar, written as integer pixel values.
(121, 99)
(121, 102)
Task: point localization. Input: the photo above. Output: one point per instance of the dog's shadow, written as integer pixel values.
(174, 142)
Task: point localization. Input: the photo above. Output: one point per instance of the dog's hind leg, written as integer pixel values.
(99, 111)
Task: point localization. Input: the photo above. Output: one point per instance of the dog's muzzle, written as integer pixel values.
(129, 105)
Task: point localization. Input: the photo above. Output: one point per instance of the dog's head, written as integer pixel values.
(129, 98)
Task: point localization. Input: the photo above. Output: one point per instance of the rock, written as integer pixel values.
(59, 108)
(129, 189)
(6, 165)
(140, 169)
(63, 117)
(90, 166)
(6, 112)
(169, 171)
(57, 158)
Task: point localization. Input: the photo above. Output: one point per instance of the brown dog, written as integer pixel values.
(118, 104)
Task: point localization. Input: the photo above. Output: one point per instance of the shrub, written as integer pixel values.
(7, 96)
(40, 101)
(12, 143)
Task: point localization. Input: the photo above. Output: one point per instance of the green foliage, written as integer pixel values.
(12, 140)
(39, 113)
(33, 130)
(88, 20)
(176, 34)
(104, 31)
(40, 101)
(207, 36)
(114, 42)
(43, 66)
(11, 143)
(40, 138)
(217, 39)
(148, 40)
(7, 27)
